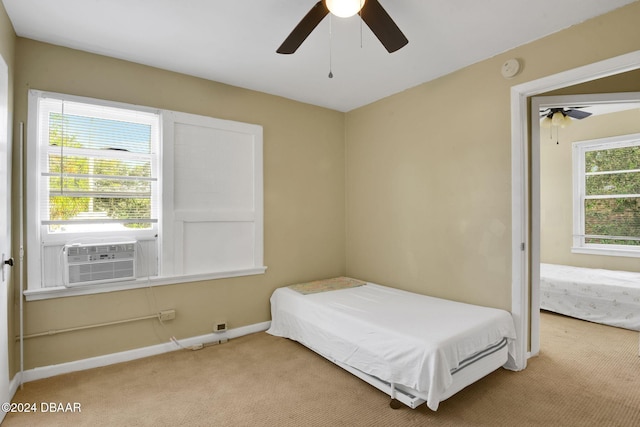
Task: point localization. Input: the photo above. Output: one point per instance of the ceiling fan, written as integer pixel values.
(371, 12)
(560, 117)
(573, 112)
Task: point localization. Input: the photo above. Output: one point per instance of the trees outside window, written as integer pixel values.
(607, 194)
(98, 170)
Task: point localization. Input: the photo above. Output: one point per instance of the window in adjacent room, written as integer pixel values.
(607, 196)
(122, 196)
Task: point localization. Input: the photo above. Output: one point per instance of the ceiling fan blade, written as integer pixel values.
(576, 114)
(304, 28)
(376, 18)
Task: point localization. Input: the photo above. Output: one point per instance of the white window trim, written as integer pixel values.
(61, 291)
(579, 149)
(60, 238)
(35, 291)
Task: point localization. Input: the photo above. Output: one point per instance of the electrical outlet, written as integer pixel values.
(167, 315)
(220, 327)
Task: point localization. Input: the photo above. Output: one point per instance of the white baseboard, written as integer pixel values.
(125, 356)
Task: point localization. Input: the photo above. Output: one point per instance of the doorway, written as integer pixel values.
(525, 219)
(560, 219)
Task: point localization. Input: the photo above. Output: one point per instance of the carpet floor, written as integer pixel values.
(586, 375)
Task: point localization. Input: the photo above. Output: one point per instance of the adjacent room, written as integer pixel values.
(278, 212)
(589, 208)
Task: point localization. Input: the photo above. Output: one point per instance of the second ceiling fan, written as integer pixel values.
(371, 12)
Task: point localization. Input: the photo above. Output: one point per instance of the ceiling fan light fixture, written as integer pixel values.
(546, 123)
(344, 8)
(557, 119)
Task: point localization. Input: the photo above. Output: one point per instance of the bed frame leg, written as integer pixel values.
(395, 403)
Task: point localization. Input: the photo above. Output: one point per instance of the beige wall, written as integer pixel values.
(7, 38)
(429, 173)
(556, 188)
(303, 193)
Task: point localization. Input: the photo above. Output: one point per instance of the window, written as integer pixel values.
(98, 169)
(184, 193)
(607, 196)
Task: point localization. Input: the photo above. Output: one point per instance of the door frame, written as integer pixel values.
(525, 221)
(6, 392)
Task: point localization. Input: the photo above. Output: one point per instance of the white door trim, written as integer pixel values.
(6, 392)
(522, 302)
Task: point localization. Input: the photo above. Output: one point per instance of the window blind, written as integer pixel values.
(97, 166)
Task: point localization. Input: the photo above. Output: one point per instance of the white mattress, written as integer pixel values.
(604, 296)
(397, 336)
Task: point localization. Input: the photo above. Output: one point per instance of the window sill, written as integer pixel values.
(631, 253)
(62, 291)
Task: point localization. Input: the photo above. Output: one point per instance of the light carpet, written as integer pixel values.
(586, 375)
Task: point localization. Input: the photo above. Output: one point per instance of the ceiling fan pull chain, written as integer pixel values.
(330, 45)
(360, 13)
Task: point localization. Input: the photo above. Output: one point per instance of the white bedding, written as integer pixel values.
(602, 296)
(397, 336)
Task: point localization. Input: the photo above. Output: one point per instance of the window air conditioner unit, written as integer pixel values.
(99, 263)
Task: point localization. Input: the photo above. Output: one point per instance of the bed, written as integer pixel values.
(413, 347)
(603, 296)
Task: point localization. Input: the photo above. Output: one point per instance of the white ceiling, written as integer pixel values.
(234, 41)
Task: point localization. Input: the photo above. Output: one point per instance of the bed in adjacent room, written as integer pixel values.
(609, 297)
(416, 348)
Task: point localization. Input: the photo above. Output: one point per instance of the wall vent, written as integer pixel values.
(87, 264)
